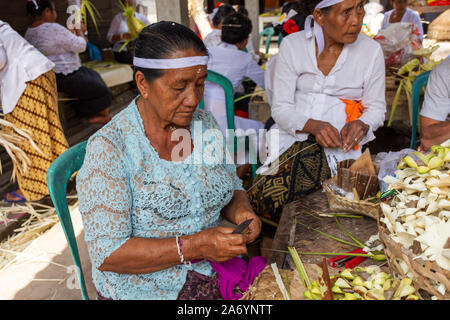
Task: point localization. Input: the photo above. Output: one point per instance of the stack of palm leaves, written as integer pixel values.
(134, 24)
(12, 139)
(40, 219)
(408, 72)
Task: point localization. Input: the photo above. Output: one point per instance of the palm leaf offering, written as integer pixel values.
(134, 24)
(12, 139)
(86, 7)
(408, 72)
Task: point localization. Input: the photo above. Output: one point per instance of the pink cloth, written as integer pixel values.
(236, 272)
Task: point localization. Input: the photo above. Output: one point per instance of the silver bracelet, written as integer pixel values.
(179, 245)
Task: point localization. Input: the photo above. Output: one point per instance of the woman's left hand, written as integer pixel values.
(352, 133)
(254, 227)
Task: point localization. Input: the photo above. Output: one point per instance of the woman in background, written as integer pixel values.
(29, 100)
(401, 13)
(62, 47)
(118, 34)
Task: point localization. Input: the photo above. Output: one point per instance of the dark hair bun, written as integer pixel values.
(36, 8)
(236, 28)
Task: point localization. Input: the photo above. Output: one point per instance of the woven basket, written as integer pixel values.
(439, 28)
(339, 203)
(424, 271)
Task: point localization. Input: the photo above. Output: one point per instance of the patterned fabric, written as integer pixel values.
(126, 190)
(200, 287)
(37, 111)
(303, 168)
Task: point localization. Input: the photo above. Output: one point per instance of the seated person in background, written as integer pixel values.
(328, 99)
(257, 55)
(401, 13)
(118, 34)
(62, 47)
(231, 61)
(435, 113)
(214, 38)
(29, 100)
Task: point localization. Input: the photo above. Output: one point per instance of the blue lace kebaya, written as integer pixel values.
(126, 190)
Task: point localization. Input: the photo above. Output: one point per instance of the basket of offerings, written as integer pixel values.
(414, 223)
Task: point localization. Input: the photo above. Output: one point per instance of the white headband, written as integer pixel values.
(318, 32)
(170, 63)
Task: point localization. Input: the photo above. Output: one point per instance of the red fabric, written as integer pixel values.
(219, 4)
(241, 113)
(290, 26)
(440, 3)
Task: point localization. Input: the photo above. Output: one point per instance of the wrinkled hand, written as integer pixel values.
(352, 133)
(326, 135)
(219, 245)
(254, 227)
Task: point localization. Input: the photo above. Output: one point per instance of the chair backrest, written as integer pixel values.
(229, 95)
(419, 82)
(268, 32)
(58, 175)
(229, 102)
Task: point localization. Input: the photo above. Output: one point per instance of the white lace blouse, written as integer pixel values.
(59, 44)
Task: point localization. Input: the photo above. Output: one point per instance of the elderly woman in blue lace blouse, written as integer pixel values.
(150, 208)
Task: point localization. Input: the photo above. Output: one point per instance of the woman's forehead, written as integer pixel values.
(186, 74)
(348, 4)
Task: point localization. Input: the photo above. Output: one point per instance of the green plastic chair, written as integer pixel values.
(419, 82)
(280, 38)
(58, 175)
(269, 33)
(229, 102)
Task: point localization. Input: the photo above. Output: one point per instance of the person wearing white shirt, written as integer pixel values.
(229, 60)
(29, 100)
(401, 13)
(435, 113)
(214, 38)
(328, 98)
(62, 46)
(118, 34)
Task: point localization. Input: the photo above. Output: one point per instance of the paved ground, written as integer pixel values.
(45, 269)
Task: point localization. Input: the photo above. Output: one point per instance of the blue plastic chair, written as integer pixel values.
(269, 33)
(58, 175)
(229, 102)
(419, 82)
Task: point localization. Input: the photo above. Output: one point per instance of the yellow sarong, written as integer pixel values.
(37, 111)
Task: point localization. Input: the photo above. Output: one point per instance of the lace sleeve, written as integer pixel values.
(105, 199)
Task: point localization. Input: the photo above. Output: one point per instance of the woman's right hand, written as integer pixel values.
(219, 244)
(326, 135)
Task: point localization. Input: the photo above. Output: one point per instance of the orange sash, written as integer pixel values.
(353, 109)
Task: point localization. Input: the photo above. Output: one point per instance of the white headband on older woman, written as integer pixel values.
(170, 63)
(318, 32)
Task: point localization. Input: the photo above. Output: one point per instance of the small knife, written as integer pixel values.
(241, 228)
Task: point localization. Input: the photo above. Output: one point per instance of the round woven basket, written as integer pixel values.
(425, 272)
(339, 203)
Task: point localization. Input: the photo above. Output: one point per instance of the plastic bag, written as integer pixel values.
(398, 42)
(387, 163)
